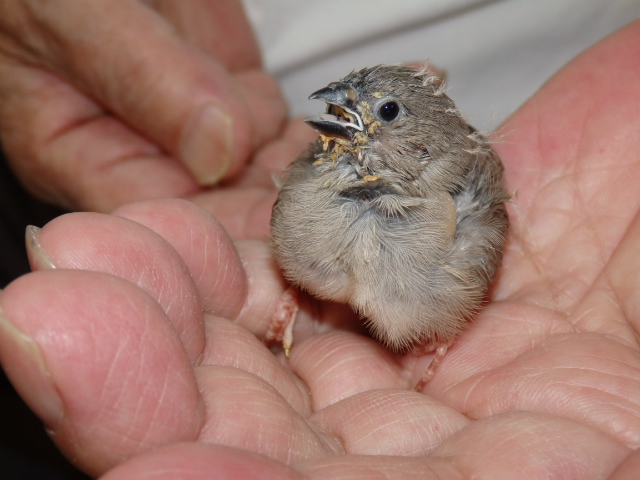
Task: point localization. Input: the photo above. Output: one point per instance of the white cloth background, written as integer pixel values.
(497, 53)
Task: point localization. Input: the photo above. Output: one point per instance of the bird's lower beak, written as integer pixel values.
(341, 119)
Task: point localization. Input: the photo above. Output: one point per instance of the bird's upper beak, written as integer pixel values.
(341, 119)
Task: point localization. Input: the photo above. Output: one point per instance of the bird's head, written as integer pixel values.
(394, 120)
(363, 101)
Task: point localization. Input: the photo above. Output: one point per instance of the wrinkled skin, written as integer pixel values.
(544, 384)
(104, 103)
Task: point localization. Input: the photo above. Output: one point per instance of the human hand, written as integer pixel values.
(544, 384)
(103, 103)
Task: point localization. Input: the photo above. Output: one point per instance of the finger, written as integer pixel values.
(534, 445)
(245, 212)
(197, 461)
(72, 153)
(210, 25)
(180, 98)
(195, 264)
(270, 162)
(121, 247)
(203, 245)
(266, 287)
(231, 345)
(390, 422)
(339, 365)
(278, 154)
(97, 359)
(238, 281)
(629, 468)
(243, 205)
(587, 378)
(245, 412)
(189, 257)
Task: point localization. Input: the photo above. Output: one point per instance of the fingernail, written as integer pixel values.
(24, 365)
(37, 258)
(206, 147)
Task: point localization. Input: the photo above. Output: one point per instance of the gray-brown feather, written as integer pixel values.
(414, 250)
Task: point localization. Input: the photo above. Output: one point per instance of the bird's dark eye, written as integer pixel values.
(389, 111)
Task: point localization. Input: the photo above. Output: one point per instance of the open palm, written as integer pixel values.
(113, 351)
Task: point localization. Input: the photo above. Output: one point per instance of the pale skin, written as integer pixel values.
(115, 96)
(544, 384)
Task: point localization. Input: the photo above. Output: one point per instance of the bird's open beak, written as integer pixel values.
(341, 119)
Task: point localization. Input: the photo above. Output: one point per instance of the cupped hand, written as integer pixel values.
(104, 103)
(141, 351)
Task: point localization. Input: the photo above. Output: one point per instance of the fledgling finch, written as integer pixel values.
(398, 209)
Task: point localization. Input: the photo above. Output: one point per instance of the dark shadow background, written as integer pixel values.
(26, 452)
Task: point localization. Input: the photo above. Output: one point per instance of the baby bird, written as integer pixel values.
(398, 209)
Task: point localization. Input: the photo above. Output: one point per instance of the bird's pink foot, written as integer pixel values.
(283, 320)
(439, 349)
